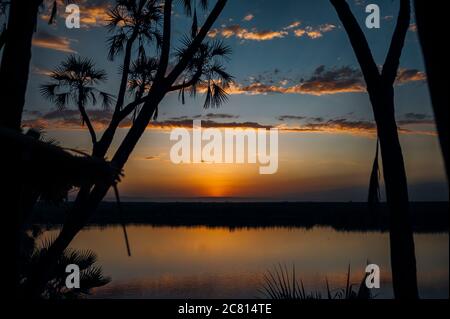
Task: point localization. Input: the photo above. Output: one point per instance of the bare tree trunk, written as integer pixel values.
(429, 19)
(14, 69)
(401, 239)
(15, 62)
(381, 93)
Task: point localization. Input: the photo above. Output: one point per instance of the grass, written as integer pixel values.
(280, 283)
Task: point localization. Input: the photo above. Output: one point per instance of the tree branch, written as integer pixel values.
(3, 38)
(189, 53)
(358, 41)
(189, 83)
(165, 50)
(86, 119)
(125, 71)
(130, 107)
(392, 62)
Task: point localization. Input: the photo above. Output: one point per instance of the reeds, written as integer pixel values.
(279, 283)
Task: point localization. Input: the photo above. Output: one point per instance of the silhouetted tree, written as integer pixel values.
(91, 275)
(193, 67)
(133, 23)
(15, 63)
(381, 93)
(431, 18)
(73, 81)
(15, 44)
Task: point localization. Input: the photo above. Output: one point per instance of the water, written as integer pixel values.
(200, 262)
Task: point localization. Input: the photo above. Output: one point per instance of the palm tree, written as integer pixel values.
(91, 275)
(381, 93)
(163, 82)
(141, 76)
(131, 22)
(74, 81)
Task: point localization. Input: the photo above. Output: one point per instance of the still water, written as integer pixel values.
(200, 262)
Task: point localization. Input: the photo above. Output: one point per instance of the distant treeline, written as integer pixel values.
(426, 216)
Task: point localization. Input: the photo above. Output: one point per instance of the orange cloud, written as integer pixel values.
(48, 41)
(410, 75)
(245, 34)
(94, 16)
(293, 25)
(92, 13)
(314, 32)
(322, 82)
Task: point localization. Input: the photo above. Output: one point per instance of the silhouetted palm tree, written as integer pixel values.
(163, 82)
(91, 275)
(73, 81)
(430, 18)
(381, 94)
(131, 22)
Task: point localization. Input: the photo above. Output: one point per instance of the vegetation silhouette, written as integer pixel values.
(429, 19)
(381, 93)
(191, 56)
(91, 275)
(426, 217)
(280, 283)
(15, 45)
(73, 81)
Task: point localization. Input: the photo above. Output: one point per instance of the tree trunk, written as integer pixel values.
(87, 202)
(429, 19)
(85, 205)
(15, 62)
(381, 92)
(403, 261)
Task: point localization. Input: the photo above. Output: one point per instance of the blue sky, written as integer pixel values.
(293, 67)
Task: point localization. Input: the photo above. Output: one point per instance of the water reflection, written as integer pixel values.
(202, 262)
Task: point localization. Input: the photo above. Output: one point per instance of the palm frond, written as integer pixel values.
(48, 90)
(107, 99)
(61, 100)
(116, 44)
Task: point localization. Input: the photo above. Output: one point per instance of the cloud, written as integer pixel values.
(416, 119)
(415, 116)
(152, 158)
(40, 71)
(322, 81)
(293, 25)
(209, 116)
(313, 32)
(410, 75)
(283, 118)
(245, 34)
(48, 41)
(291, 117)
(248, 17)
(265, 35)
(70, 119)
(93, 13)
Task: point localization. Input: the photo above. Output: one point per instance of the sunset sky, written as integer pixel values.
(295, 70)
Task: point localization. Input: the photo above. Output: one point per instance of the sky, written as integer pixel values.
(294, 69)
